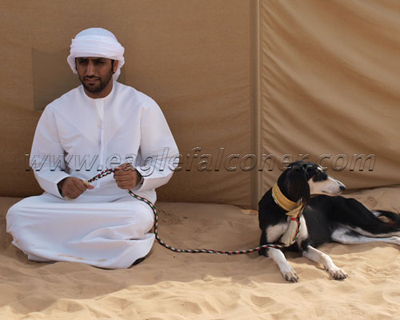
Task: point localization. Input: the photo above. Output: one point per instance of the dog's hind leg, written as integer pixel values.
(322, 258)
(355, 216)
(347, 236)
(287, 271)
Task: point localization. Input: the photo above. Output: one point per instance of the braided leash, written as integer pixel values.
(160, 241)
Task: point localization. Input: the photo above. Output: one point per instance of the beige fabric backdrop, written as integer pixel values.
(191, 56)
(330, 85)
(240, 79)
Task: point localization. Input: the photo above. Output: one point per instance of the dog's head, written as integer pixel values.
(303, 179)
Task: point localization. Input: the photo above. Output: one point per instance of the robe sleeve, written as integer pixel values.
(157, 148)
(47, 154)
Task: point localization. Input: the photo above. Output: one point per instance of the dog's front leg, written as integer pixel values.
(287, 271)
(322, 258)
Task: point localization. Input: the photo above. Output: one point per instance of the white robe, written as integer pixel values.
(79, 136)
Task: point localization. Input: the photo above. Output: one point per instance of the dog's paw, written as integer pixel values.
(395, 240)
(337, 273)
(290, 275)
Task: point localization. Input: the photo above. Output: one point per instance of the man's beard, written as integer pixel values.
(100, 86)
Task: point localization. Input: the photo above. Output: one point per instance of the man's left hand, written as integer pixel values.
(126, 176)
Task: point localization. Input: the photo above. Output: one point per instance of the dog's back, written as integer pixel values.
(326, 214)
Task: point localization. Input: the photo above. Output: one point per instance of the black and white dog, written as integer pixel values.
(325, 218)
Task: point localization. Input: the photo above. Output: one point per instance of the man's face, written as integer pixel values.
(95, 75)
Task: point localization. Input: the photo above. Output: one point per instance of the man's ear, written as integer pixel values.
(115, 66)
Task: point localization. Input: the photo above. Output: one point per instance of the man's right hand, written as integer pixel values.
(72, 187)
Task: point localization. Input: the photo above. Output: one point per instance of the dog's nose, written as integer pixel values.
(341, 186)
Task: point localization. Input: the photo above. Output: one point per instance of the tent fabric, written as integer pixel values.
(246, 86)
(330, 88)
(192, 57)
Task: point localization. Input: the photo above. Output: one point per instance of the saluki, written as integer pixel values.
(306, 196)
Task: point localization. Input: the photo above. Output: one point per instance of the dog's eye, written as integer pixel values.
(320, 176)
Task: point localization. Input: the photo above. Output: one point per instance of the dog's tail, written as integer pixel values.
(388, 217)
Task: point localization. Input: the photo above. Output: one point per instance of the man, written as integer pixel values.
(101, 124)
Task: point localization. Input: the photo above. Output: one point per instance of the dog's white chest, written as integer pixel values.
(274, 233)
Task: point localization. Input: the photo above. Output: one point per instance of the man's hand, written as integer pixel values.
(72, 187)
(126, 176)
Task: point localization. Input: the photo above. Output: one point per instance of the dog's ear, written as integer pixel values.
(296, 182)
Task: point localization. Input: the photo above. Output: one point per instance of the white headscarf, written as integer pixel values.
(96, 42)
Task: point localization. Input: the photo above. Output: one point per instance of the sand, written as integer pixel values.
(170, 285)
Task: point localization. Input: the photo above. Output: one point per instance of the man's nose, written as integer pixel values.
(90, 70)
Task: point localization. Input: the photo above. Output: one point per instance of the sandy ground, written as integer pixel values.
(170, 285)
